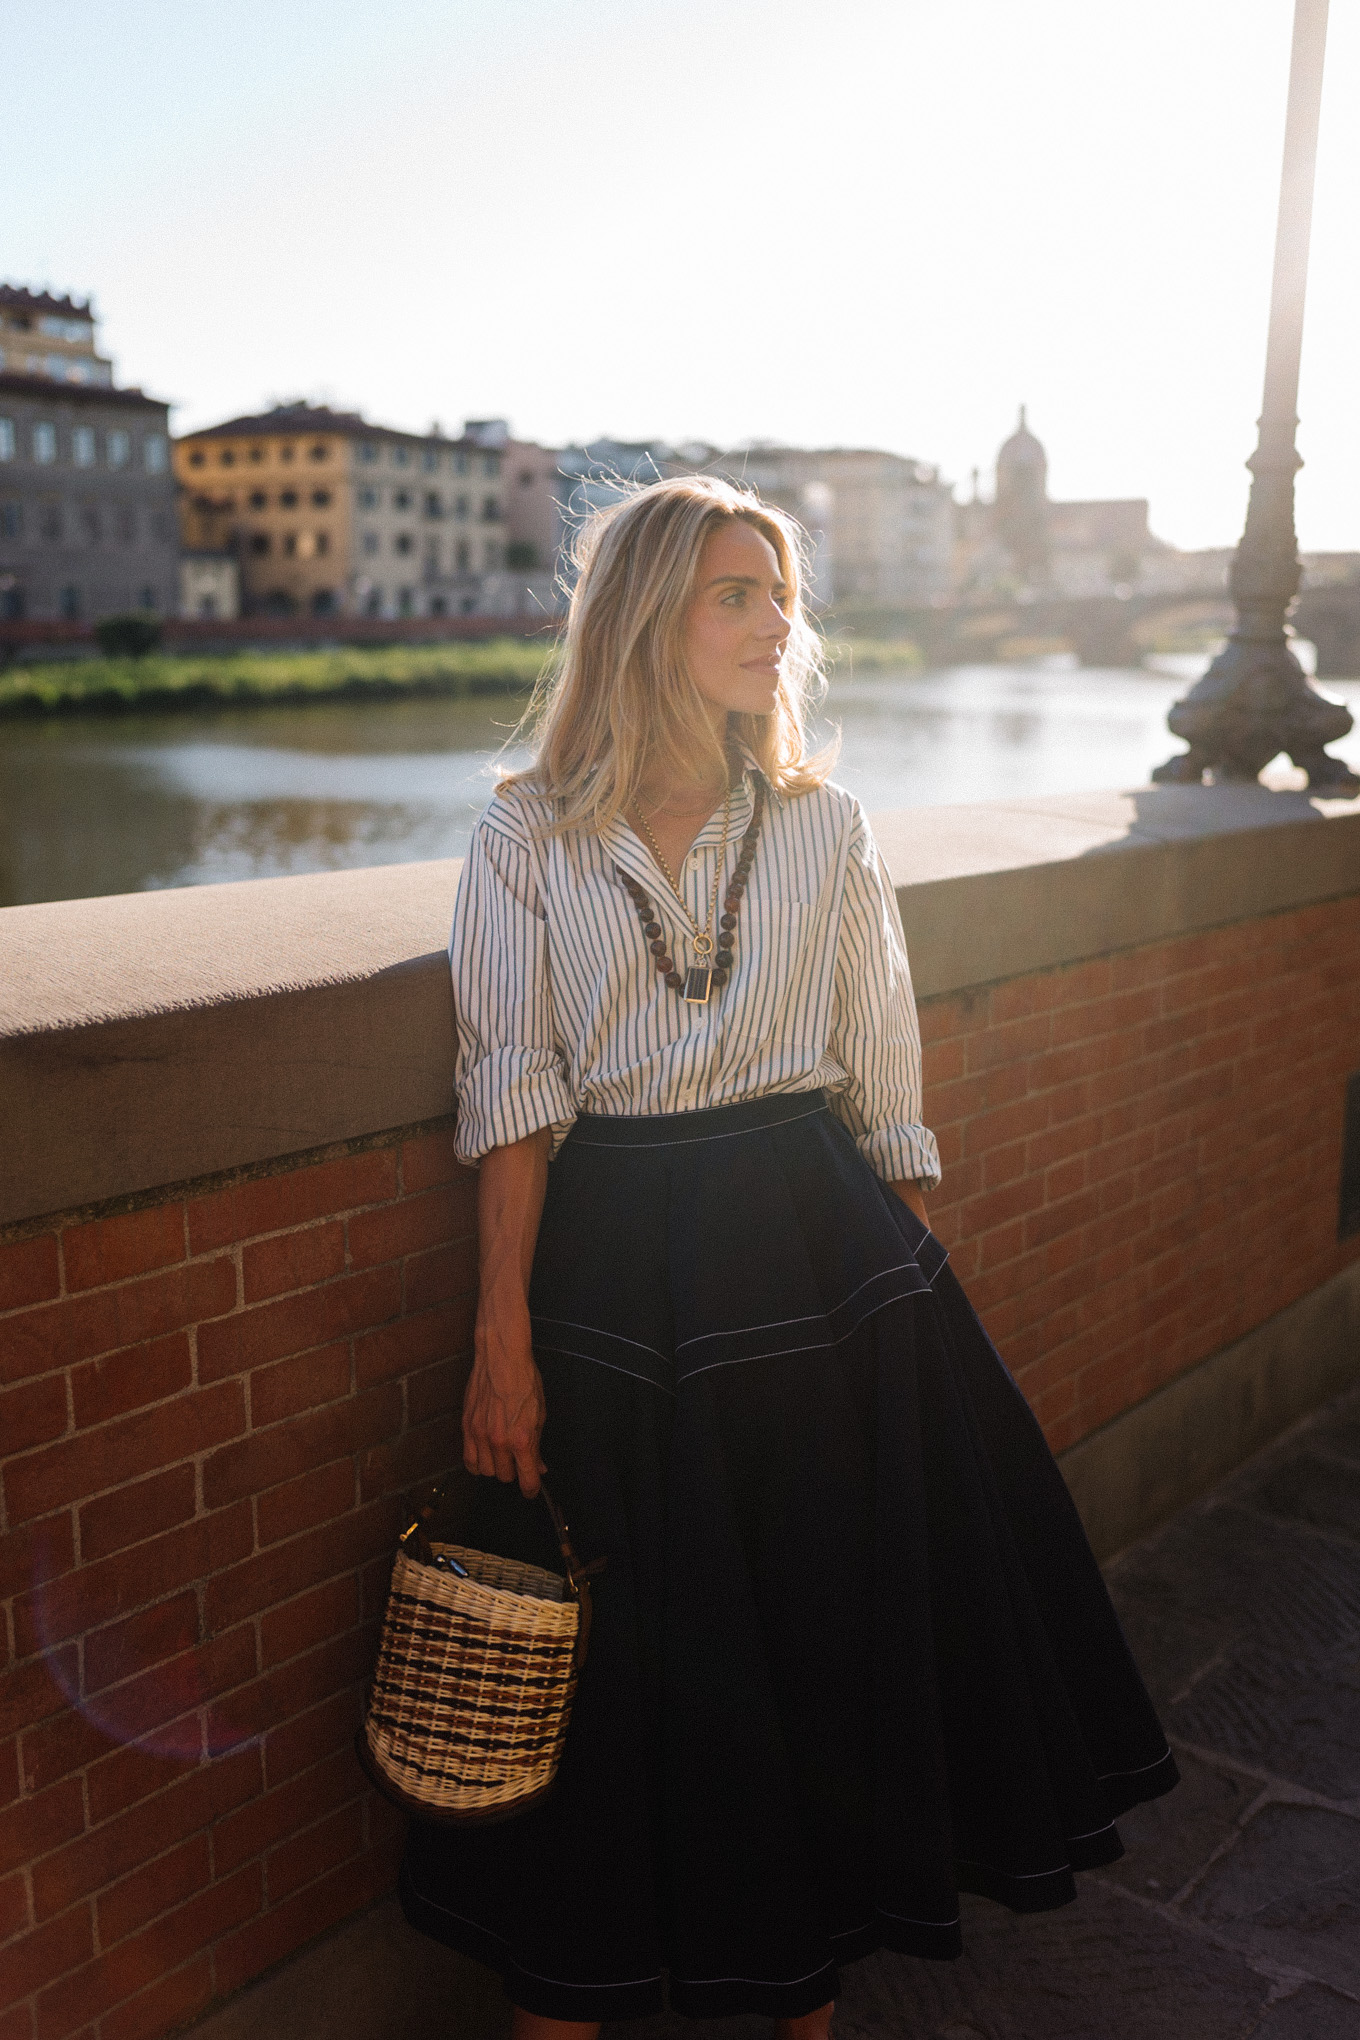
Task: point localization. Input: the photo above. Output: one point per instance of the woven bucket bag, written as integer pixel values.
(476, 1674)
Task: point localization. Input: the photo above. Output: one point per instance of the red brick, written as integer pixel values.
(285, 1569)
(38, 1551)
(153, 1889)
(316, 1497)
(77, 1328)
(293, 1260)
(32, 1413)
(102, 1591)
(164, 2006)
(104, 1458)
(144, 1958)
(112, 1249)
(407, 1227)
(29, 1271)
(134, 1774)
(17, 2024)
(290, 1688)
(13, 1908)
(295, 1745)
(31, 1826)
(303, 1916)
(303, 1383)
(307, 1797)
(429, 1158)
(420, 1453)
(133, 1513)
(414, 1341)
(45, 1954)
(273, 1203)
(42, 1686)
(295, 1626)
(266, 1457)
(305, 1857)
(154, 1701)
(119, 1382)
(441, 1274)
(147, 1638)
(1019, 998)
(1080, 983)
(9, 1771)
(293, 1324)
(1013, 1041)
(62, 1744)
(437, 1391)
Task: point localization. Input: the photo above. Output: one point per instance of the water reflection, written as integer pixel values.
(118, 806)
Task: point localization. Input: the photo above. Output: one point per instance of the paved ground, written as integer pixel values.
(1235, 1914)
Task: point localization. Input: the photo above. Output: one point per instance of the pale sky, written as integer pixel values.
(854, 222)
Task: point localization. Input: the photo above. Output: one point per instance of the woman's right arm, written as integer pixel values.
(503, 1409)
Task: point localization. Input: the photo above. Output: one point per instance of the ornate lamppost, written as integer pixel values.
(1255, 700)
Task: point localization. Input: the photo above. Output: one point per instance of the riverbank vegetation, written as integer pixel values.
(163, 681)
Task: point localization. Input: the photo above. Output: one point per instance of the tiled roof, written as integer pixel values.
(55, 392)
(13, 297)
(300, 418)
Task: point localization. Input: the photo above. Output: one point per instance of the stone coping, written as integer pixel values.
(157, 1037)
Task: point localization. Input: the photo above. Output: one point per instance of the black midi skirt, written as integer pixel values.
(851, 1654)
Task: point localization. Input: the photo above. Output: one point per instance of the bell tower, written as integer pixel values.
(1021, 514)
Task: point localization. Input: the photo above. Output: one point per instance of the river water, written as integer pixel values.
(121, 804)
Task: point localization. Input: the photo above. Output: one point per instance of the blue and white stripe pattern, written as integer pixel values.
(561, 1012)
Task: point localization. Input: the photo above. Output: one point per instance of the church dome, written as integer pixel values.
(1021, 453)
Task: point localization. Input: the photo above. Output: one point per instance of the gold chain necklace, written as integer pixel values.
(698, 978)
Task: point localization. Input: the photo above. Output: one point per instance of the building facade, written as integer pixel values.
(328, 514)
(87, 499)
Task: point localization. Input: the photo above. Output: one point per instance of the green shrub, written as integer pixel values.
(128, 637)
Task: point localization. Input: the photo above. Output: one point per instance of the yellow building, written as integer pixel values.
(328, 515)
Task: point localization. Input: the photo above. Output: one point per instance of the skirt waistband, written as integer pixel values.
(712, 1122)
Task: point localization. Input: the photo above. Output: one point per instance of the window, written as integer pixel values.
(318, 452)
(526, 479)
(464, 556)
(287, 452)
(147, 599)
(45, 443)
(434, 503)
(368, 453)
(256, 454)
(404, 543)
(401, 499)
(82, 446)
(406, 601)
(89, 523)
(258, 499)
(11, 602)
(429, 459)
(323, 602)
(11, 521)
(321, 497)
(6, 439)
(460, 508)
(370, 543)
(196, 458)
(68, 602)
(460, 463)
(226, 458)
(491, 509)
(49, 520)
(373, 602)
(290, 545)
(153, 453)
(491, 465)
(368, 499)
(116, 450)
(401, 456)
(323, 542)
(288, 499)
(438, 606)
(259, 543)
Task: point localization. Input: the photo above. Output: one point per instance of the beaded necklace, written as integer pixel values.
(702, 978)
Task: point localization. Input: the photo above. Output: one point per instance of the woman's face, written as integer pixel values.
(737, 625)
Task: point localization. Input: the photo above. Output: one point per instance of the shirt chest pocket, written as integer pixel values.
(775, 993)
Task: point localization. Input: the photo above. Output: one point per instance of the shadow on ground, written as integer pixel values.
(1235, 1913)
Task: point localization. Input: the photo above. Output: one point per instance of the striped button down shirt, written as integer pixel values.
(561, 1011)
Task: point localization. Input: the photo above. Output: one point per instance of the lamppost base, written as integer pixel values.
(1254, 702)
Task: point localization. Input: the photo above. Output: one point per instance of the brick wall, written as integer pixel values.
(215, 1404)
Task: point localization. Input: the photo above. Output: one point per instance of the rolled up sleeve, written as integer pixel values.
(874, 1032)
(510, 1075)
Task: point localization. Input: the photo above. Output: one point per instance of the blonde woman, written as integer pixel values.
(851, 1652)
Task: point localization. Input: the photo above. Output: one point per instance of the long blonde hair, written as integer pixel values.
(618, 701)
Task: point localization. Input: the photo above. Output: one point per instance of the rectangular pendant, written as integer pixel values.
(698, 981)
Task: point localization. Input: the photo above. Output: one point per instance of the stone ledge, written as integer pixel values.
(158, 1036)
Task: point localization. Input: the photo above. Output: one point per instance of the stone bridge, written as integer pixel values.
(1116, 630)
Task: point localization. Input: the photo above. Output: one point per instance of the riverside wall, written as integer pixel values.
(237, 1279)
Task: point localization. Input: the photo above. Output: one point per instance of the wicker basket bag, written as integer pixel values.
(477, 1669)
